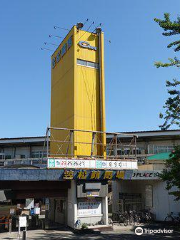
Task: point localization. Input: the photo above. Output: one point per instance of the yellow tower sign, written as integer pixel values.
(78, 93)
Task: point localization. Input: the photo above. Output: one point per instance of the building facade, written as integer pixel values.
(142, 189)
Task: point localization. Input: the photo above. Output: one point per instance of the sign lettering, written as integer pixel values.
(85, 44)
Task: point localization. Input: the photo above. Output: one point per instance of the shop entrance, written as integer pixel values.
(60, 211)
(42, 202)
(130, 201)
(57, 211)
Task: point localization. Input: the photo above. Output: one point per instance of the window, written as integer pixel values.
(64, 49)
(58, 56)
(53, 62)
(155, 149)
(69, 42)
(87, 63)
(148, 196)
(2, 156)
(38, 154)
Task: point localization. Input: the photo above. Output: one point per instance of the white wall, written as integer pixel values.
(72, 205)
(163, 203)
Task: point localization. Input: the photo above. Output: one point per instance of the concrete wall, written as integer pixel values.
(27, 151)
(72, 205)
(163, 203)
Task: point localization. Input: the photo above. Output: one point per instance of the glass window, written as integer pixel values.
(64, 49)
(81, 62)
(38, 154)
(58, 56)
(69, 42)
(148, 196)
(87, 63)
(53, 62)
(155, 149)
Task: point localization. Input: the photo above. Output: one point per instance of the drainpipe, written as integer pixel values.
(99, 32)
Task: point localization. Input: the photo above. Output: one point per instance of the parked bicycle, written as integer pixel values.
(171, 217)
(146, 216)
(133, 217)
(123, 218)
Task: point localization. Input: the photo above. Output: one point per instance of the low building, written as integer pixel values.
(69, 190)
(140, 189)
(144, 189)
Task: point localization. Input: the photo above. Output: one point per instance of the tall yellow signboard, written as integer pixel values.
(77, 93)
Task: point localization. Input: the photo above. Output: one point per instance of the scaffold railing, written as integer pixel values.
(63, 142)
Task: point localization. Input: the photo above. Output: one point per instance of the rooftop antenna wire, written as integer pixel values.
(55, 27)
(99, 25)
(47, 43)
(86, 30)
(86, 21)
(109, 41)
(54, 36)
(47, 49)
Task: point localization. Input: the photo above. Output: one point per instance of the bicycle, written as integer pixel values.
(172, 218)
(123, 218)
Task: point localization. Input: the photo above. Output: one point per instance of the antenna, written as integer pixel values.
(90, 26)
(47, 43)
(55, 27)
(86, 30)
(47, 49)
(98, 27)
(109, 41)
(86, 21)
(54, 36)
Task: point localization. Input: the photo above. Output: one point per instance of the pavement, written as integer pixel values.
(118, 233)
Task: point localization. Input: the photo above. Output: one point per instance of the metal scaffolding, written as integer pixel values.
(115, 148)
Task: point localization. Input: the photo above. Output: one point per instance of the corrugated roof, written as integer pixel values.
(21, 138)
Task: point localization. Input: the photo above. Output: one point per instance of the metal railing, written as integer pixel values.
(39, 162)
(66, 141)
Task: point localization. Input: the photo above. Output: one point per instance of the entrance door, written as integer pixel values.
(60, 211)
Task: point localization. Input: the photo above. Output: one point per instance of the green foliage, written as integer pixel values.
(172, 172)
(170, 28)
(84, 226)
(171, 113)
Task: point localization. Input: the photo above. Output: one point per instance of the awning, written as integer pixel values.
(159, 156)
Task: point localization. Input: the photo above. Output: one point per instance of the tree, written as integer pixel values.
(171, 114)
(172, 172)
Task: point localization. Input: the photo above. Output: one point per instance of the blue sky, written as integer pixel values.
(135, 89)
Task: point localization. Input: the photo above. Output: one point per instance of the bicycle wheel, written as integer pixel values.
(125, 222)
(168, 219)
